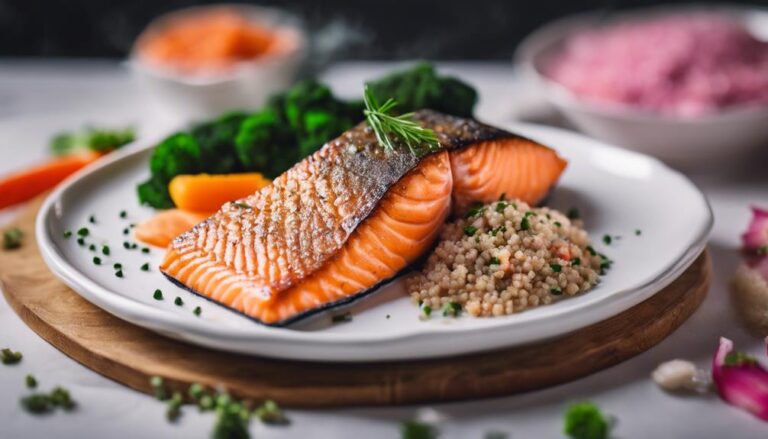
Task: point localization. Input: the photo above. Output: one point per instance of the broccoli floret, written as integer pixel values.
(91, 139)
(585, 421)
(216, 140)
(265, 144)
(420, 87)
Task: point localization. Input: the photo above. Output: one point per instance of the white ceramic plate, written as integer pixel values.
(617, 192)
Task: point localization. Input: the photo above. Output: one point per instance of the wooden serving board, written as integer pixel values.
(131, 355)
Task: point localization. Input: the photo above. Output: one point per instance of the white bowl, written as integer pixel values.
(685, 142)
(244, 87)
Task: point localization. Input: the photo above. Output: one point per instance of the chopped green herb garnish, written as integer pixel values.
(573, 213)
(494, 261)
(30, 381)
(197, 311)
(80, 242)
(500, 206)
(67, 234)
(739, 359)
(145, 250)
(591, 250)
(119, 273)
(417, 430)
(270, 413)
(470, 230)
(242, 205)
(638, 232)
(158, 294)
(92, 219)
(524, 224)
(495, 231)
(173, 407)
(196, 391)
(585, 421)
(105, 250)
(8, 356)
(607, 239)
(134, 246)
(206, 403)
(576, 262)
(117, 266)
(39, 403)
(61, 398)
(123, 214)
(426, 311)
(83, 231)
(127, 245)
(126, 231)
(529, 214)
(557, 268)
(145, 267)
(558, 224)
(476, 210)
(178, 302)
(96, 260)
(12, 238)
(389, 129)
(92, 247)
(556, 291)
(344, 317)
(451, 309)
(158, 387)
(503, 196)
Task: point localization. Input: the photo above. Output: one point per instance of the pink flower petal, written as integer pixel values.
(756, 236)
(743, 385)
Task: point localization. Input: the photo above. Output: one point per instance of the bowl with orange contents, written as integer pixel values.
(201, 61)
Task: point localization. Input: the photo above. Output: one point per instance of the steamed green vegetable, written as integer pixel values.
(91, 139)
(292, 125)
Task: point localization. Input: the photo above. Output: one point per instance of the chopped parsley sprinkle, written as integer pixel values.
(557, 268)
(173, 407)
(126, 231)
(270, 413)
(39, 403)
(158, 387)
(67, 234)
(12, 238)
(388, 315)
(145, 250)
(476, 210)
(83, 231)
(576, 262)
(341, 318)
(451, 309)
(556, 291)
(123, 214)
(638, 232)
(92, 219)
(495, 231)
(127, 245)
(494, 261)
(145, 266)
(241, 205)
(426, 311)
(196, 391)
(470, 230)
(573, 213)
(8, 356)
(524, 224)
(197, 311)
(134, 246)
(417, 430)
(30, 381)
(178, 301)
(558, 224)
(117, 266)
(591, 250)
(605, 263)
(528, 214)
(105, 250)
(158, 295)
(607, 239)
(80, 242)
(96, 260)
(500, 206)
(119, 273)
(92, 247)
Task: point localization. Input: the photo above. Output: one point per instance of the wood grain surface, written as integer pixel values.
(131, 355)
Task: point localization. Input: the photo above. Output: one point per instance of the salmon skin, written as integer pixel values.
(350, 217)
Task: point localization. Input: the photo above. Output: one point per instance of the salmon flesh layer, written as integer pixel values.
(351, 216)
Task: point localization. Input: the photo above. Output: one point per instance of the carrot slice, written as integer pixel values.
(166, 225)
(206, 193)
(29, 183)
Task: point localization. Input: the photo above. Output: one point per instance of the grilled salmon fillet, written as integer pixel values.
(351, 216)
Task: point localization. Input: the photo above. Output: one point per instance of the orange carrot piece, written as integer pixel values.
(29, 183)
(206, 193)
(166, 225)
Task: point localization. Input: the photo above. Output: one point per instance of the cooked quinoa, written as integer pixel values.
(506, 257)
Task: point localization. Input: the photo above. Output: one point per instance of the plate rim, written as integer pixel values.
(237, 339)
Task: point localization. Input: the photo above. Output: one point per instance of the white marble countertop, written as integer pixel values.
(38, 98)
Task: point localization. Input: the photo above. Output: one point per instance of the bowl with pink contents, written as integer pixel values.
(688, 85)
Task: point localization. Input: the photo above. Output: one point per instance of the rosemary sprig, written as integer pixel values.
(388, 128)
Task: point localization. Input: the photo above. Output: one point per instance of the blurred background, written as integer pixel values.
(384, 30)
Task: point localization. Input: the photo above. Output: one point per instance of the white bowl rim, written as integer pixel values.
(554, 31)
(288, 24)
